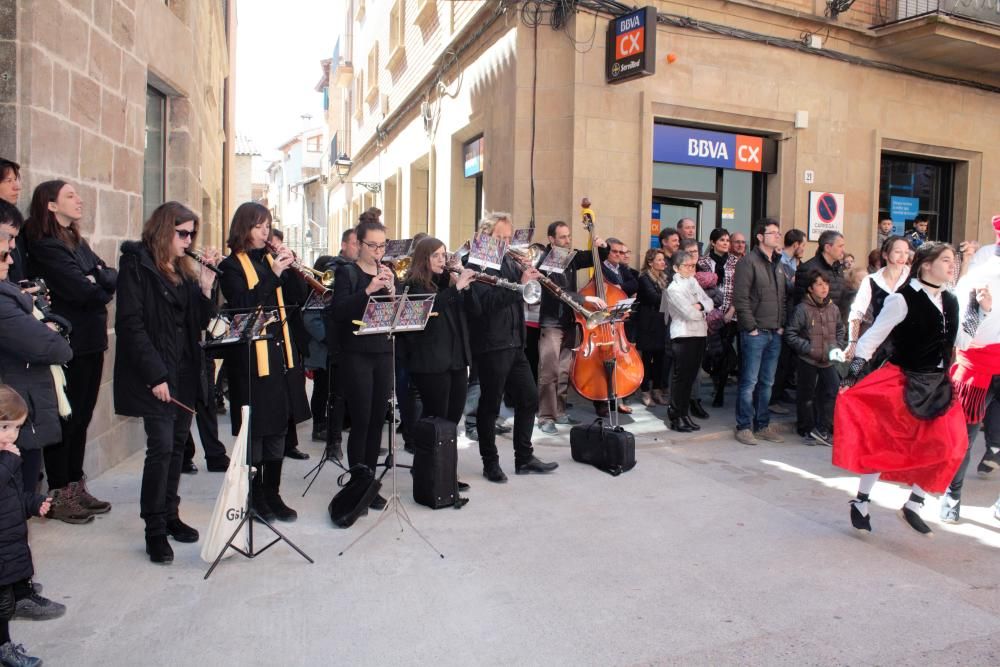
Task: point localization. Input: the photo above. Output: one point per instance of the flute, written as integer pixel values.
(201, 260)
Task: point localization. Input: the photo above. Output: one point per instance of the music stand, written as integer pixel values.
(247, 331)
(390, 315)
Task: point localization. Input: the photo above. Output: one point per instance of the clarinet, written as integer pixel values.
(201, 260)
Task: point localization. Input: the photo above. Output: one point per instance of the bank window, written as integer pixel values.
(154, 158)
(925, 185)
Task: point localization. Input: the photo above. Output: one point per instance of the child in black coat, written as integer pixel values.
(16, 505)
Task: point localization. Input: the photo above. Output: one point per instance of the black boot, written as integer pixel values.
(697, 410)
(159, 549)
(675, 421)
(260, 503)
(688, 423)
(272, 486)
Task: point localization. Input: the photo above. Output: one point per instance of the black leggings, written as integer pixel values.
(442, 394)
(652, 368)
(64, 460)
(367, 383)
(687, 360)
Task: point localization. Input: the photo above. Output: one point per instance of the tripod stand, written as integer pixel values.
(250, 333)
(330, 434)
(391, 315)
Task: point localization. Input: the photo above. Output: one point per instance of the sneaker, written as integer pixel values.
(779, 409)
(502, 428)
(566, 420)
(66, 508)
(821, 436)
(768, 433)
(951, 508)
(745, 436)
(808, 440)
(13, 655)
(472, 433)
(38, 608)
(89, 502)
(547, 426)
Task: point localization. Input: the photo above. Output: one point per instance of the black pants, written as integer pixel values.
(31, 467)
(499, 371)
(532, 339)
(442, 394)
(687, 360)
(319, 398)
(267, 448)
(817, 390)
(652, 369)
(161, 472)
(207, 420)
(7, 604)
(367, 384)
(64, 460)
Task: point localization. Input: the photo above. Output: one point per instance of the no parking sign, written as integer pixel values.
(826, 212)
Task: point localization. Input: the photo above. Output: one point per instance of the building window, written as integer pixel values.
(912, 186)
(154, 159)
(372, 73)
(314, 144)
(397, 33)
(359, 95)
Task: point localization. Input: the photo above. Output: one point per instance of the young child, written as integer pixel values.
(15, 506)
(814, 330)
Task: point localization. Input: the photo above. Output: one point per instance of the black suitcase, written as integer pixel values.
(435, 462)
(611, 449)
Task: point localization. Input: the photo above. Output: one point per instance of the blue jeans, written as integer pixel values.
(758, 362)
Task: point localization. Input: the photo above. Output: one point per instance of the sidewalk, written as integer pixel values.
(708, 552)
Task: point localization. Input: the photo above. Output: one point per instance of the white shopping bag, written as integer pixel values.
(231, 505)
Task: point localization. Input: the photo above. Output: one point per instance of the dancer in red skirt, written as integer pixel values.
(900, 422)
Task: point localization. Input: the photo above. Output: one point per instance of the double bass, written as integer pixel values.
(606, 364)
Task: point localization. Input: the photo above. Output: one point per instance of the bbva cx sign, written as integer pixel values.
(631, 46)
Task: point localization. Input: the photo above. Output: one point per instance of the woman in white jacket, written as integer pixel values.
(687, 305)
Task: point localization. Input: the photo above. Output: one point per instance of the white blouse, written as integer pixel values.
(893, 312)
(863, 299)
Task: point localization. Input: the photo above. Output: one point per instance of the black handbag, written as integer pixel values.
(611, 449)
(353, 499)
(927, 395)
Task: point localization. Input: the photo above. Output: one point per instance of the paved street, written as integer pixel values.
(708, 552)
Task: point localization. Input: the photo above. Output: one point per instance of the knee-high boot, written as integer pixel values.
(272, 483)
(260, 496)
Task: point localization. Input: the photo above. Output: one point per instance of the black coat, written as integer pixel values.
(651, 330)
(348, 306)
(444, 344)
(27, 350)
(269, 414)
(16, 505)
(67, 273)
(496, 315)
(149, 344)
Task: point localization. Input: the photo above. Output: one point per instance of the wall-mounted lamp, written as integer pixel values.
(343, 165)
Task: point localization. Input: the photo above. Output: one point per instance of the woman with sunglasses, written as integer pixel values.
(164, 301)
(265, 376)
(366, 361)
(80, 285)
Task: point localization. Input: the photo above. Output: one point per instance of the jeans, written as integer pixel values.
(758, 361)
(817, 390)
(161, 472)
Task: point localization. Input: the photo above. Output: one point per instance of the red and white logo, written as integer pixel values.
(748, 153)
(629, 43)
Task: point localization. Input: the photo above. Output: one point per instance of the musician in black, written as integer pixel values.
(164, 301)
(365, 363)
(272, 383)
(497, 339)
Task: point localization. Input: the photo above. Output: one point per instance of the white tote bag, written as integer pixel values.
(232, 502)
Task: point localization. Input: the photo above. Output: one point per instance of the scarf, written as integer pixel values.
(58, 379)
(260, 346)
(972, 374)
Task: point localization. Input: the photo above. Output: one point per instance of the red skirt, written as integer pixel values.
(874, 431)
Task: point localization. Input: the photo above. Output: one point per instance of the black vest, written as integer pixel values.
(923, 341)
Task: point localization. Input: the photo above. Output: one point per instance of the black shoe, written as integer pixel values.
(675, 425)
(460, 502)
(717, 400)
(181, 532)
(697, 410)
(217, 464)
(319, 436)
(334, 451)
(691, 425)
(282, 512)
(297, 454)
(378, 503)
(914, 521)
(494, 473)
(189, 468)
(264, 510)
(462, 486)
(602, 410)
(534, 465)
(472, 433)
(858, 520)
(159, 549)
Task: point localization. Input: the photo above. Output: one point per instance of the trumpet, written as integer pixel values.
(530, 291)
(530, 257)
(198, 257)
(308, 275)
(400, 267)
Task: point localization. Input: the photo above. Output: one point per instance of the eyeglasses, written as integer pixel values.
(772, 233)
(185, 234)
(374, 246)
(688, 266)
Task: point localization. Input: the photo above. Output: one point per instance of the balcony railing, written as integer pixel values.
(891, 11)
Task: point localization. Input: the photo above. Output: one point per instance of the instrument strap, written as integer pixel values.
(263, 367)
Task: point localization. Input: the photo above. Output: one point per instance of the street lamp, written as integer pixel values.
(343, 165)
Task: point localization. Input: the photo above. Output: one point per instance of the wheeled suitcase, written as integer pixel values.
(611, 449)
(435, 462)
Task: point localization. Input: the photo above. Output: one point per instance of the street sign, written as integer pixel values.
(631, 46)
(826, 212)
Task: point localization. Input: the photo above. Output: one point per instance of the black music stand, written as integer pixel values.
(617, 314)
(251, 331)
(389, 316)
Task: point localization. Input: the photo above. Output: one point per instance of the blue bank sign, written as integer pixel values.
(704, 148)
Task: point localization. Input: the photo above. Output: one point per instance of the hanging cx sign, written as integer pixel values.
(631, 47)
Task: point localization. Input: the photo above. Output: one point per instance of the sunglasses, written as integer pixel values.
(185, 234)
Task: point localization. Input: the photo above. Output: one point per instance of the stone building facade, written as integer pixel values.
(126, 100)
(454, 108)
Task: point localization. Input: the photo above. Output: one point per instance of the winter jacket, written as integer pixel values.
(157, 327)
(686, 319)
(67, 273)
(835, 275)
(651, 330)
(28, 348)
(16, 505)
(759, 292)
(444, 344)
(814, 329)
(496, 317)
